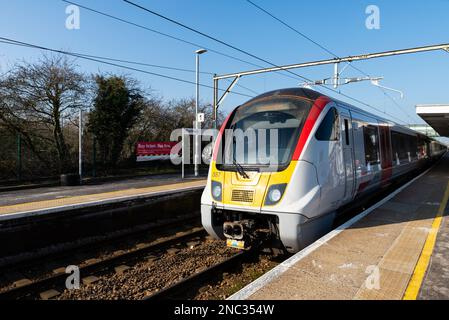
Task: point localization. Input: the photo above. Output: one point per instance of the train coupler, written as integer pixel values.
(241, 235)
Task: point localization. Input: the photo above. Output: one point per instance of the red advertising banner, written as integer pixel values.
(154, 148)
(147, 151)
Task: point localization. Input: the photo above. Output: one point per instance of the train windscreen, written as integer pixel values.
(263, 134)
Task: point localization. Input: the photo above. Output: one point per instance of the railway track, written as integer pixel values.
(32, 289)
(97, 244)
(179, 289)
(185, 287)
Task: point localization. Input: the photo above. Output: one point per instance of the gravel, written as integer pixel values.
(145, 275)
(152, 274)
(232, 282)
(37, 271)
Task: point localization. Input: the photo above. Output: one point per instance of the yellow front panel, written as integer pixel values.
(246, 192)
(249, 192)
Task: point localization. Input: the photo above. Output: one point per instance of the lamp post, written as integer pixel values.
(197, 145)
(80, 146)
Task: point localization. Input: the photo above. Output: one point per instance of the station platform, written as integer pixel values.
(397, 249)
(32, 202)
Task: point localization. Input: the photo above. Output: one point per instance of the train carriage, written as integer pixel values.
(301, 157)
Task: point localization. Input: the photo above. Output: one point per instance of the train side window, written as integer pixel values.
(405, 147)
(371, 139)
(347, 131)
(328, 130)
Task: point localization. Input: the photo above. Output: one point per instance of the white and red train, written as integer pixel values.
(328, 155)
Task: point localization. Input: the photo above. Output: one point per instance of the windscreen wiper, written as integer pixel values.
(240, 169)
(237, 165)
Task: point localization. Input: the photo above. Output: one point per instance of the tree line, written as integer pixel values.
(39, 108)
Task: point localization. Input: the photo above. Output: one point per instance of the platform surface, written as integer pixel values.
(396, 251)
(43, 200)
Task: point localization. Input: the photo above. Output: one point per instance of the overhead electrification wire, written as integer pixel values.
(322, 47)
(249, 54)
(214, 51)
(244, 87)
(211, 37)
(367, 105)
(303, 35)
(129, 62)
(157, 66)
(98, 60)
(291, 28)
(396, 103)
(142, 64)
(157, 32)
(167, 35)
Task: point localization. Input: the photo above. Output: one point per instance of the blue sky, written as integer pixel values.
(338, 25)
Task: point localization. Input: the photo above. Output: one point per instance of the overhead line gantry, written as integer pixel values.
(335, 61)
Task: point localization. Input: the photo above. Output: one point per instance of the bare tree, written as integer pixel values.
(35, 97)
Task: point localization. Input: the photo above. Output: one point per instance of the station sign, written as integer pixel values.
(150, 151)
(200, 118)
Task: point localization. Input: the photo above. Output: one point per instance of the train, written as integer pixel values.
(318, 155)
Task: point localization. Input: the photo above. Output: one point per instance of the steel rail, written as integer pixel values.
(59, 279)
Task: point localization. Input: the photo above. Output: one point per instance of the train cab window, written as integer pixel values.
(263, 134)
(328, 130)
(371, 139)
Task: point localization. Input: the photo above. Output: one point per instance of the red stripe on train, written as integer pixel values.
(315, 112)
(220, 134)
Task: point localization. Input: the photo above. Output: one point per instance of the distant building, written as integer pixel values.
(424, 129)
(437, 116)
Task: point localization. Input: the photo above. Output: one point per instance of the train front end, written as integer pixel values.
(258, 188)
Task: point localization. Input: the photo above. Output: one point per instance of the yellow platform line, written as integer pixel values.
(415, 283)
(76, 200)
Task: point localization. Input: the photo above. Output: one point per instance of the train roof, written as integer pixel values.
(313, 95)
(300, 92)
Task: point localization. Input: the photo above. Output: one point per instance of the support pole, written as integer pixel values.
(182, 155)
(94, 158)
(197, 144)
(215, 111)
(19, 157)
(80, 147)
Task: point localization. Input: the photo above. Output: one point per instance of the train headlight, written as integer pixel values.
(275, 193)
(217, 191)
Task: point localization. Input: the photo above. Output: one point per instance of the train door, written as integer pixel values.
(386, 156)
(348, 153)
